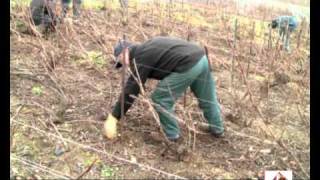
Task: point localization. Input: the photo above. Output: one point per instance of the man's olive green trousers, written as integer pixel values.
(172, 87)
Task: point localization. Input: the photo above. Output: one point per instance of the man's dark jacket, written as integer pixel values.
(156, 59)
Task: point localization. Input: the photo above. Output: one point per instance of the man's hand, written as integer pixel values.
(110, 127)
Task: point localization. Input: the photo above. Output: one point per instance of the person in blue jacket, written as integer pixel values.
(286, 25)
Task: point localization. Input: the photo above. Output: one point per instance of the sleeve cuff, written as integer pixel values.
(117, 111)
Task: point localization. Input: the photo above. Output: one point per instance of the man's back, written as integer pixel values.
(285, 20)
(166, 54)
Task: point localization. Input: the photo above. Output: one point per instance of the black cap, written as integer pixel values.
(119, 47)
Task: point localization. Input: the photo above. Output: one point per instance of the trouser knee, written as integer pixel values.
(204, 105)
(155, 99)
(162, 103)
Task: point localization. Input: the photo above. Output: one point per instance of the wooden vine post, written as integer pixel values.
(269, 38)
(308, 36)
(300, 33)
(250, 50)
(125, 58)
(185, 92)
(233, 54)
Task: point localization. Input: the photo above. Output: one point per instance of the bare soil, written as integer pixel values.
(58, 90)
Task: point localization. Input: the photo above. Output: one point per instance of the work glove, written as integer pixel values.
(110, 127)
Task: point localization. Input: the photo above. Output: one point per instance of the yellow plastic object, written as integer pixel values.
(110, 127)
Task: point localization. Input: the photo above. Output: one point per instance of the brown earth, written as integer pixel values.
(59, 85)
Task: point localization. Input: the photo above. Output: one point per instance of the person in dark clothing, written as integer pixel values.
(43, 13)
(178, 64)
(75, 7)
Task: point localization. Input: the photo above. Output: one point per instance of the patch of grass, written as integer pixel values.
(37, 90)
(261, 27)
(259, 78)
(14, 3)
(100, 4)
(96, 58)
(89, 158)
(194, 19)
(92, 57)
(24, 146)
(21, 26)
(108, 172)
(93, 4)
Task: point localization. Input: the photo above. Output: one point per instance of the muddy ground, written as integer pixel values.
(61, 84)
